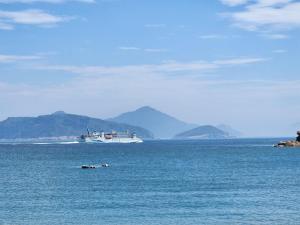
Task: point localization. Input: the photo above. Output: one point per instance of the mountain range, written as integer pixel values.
(146, 122)
(61, 124)
(160, 124)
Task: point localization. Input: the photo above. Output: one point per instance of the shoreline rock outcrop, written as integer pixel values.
(291, 143)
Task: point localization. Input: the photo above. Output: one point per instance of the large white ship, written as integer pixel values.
(112, 137)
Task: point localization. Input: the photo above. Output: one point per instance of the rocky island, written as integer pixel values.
(291, 143)
(203, 132)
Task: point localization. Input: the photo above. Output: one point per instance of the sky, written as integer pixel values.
(233, 62)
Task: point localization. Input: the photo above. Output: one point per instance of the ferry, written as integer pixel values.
(112, 137)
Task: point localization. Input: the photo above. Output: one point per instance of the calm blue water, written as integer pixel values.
(159, 182)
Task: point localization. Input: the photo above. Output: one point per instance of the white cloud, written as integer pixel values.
(8, 19)
(239, 61)
(155, 50)
(163, 68)
(44, 1)
(234, 2)
(263, 3)
(275, 36)
(260, 3)
(272, 15)
(4, 26)
(150, 50)
(132, 69)
(17, 58)
(217, 36)
(129, 48)
(212, 36)
(280, 51)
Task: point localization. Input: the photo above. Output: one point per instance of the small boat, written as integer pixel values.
(88, 167)
(94, 166)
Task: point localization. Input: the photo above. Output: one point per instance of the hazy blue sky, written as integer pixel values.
(203, 61)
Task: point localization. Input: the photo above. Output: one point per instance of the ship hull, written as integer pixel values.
(112, 140)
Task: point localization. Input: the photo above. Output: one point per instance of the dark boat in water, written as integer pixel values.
(88, 167)
(94, 166)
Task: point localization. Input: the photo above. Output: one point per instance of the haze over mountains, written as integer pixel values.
(160, 124)
(229, 130)
(203, 132)
(146, 122)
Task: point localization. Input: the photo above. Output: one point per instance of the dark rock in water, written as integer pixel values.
(295, 143)
(287, 144)
(298, 138)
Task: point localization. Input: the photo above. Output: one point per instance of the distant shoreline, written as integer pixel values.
(67, 139)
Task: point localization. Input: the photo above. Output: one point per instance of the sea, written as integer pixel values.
(240, 181)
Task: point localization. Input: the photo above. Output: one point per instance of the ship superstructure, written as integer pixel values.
(111, 137)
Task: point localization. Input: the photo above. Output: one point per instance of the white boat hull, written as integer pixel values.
(112, 140)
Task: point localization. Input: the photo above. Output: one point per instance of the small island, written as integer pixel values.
(291, 143)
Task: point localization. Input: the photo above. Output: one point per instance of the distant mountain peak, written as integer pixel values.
(59, 113)
(152, 111)
(147, 108)
(160, 124)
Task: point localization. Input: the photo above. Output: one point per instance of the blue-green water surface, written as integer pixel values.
(244, 181)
